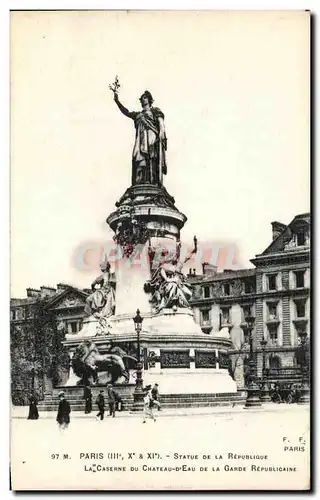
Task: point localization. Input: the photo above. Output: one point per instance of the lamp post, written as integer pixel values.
(253, 391)
(304, 360)
(265, 395)
(138, 390)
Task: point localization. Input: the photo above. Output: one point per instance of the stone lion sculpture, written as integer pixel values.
(87, 363)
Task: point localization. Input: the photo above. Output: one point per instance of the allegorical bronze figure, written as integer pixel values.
(149, 151)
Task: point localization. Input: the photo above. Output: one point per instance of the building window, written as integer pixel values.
(226, 289)
(301, 238)
(300, 308)
(74, 326)
(272, 311)
(206, 292)
(245, 336)
(247, 287)
(13, 314)
(246, 311)
(274, 362)
(299, 279)
(205, 316)
(273, 334)
(225, 315)
(272, 282)
(30, 312)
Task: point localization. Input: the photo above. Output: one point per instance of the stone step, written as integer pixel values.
(171, 403)
(163, 399)
(194, 397)
(177, 405)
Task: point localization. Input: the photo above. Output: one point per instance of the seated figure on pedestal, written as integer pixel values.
(168, 284)
(101, 303)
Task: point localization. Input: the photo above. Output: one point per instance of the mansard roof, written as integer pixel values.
(300, 222)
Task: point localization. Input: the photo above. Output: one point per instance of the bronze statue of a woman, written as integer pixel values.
(148, 157)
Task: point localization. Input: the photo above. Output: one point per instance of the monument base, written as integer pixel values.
(179, 381)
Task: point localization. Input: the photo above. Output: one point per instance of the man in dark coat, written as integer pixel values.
(100, 404)
(63, 416)
(33, 410)
(88, 399)
(113, 398)
(155, 395)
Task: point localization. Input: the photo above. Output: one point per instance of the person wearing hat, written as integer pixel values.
(100, 404)
(148, 404)
(88, 399)
(63, 416)
(155, 395)
(112, 399)
(33, 410)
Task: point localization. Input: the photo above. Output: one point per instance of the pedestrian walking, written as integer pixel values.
(119, 402)
(112, 399)
(33, 409)
(156, 396)
(148, 405)
(63, 416)
(87, 394)
(100, 404)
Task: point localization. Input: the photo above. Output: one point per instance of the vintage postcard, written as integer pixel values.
(160, 250)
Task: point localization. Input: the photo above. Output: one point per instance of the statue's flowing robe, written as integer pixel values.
(176, 291)
(148, 149)
(102, 300)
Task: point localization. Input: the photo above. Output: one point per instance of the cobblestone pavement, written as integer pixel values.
(171, 453)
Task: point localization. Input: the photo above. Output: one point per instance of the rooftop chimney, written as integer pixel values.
(47, 291)
(209, 269)
(33, 292)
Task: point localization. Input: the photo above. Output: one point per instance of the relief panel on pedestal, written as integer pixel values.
(174, 359)
(205, 359)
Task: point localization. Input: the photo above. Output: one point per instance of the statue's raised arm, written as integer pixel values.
(122, 108)
(193, 251)
(149, 151)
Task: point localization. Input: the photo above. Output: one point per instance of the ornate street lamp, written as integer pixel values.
(303, 359)
(138, 390)
(253, 391)
(265, 395)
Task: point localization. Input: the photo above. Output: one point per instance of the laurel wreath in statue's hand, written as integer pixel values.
(115, 86)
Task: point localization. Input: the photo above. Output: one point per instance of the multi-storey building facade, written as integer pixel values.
(276, 291)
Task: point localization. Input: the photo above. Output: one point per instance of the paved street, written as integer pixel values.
(81, 457)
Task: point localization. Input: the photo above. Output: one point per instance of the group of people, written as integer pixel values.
(151, 401)
(114, 402)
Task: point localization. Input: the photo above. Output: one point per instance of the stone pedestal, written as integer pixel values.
(131, 275)
(176, 353)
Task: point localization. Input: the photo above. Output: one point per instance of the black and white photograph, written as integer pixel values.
(160, 237)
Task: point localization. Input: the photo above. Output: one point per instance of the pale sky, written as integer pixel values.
(234, 88)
